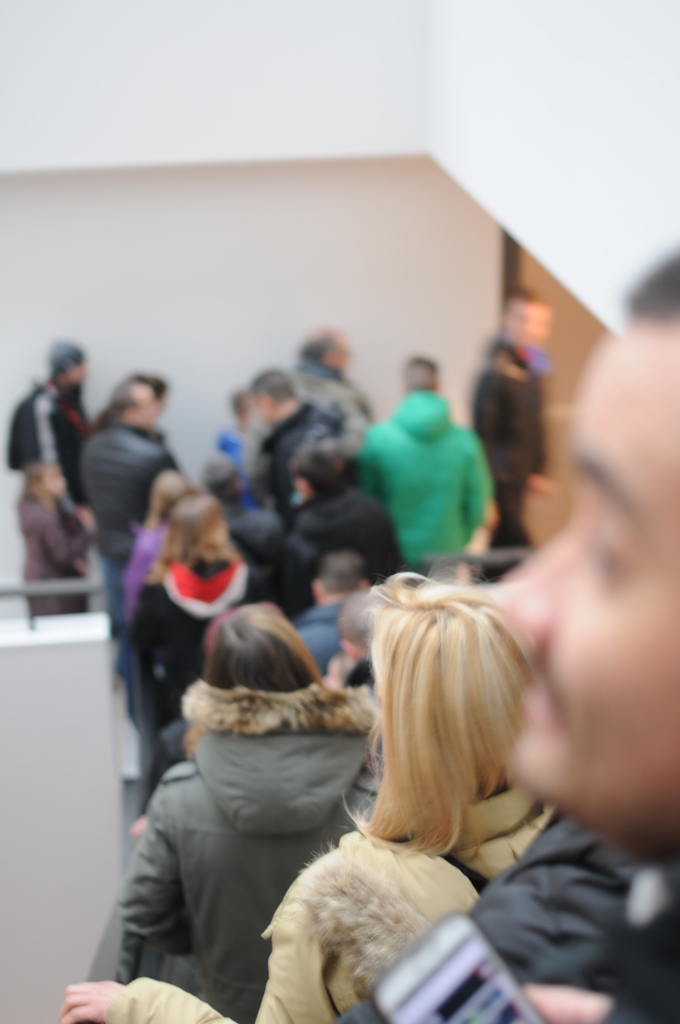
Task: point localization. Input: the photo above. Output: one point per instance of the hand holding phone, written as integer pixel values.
(452, 975)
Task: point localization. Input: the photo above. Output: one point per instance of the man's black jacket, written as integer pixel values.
(508, 416)
(307, 424)
(345, 519)
(118, 467)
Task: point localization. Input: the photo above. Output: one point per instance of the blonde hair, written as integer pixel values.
(450, 675)
(196, 532)
(168, 487)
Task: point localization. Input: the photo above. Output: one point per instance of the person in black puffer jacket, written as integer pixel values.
(292, 423)
(118, 466)
(335, 516)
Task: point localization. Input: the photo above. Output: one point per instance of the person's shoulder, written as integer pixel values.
(179, 773)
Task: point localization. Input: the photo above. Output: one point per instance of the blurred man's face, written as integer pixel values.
(266, 407)
(527, 323)
(71, 378)
(516, 320)
(145, 411)
(538, 325)
(339, 355)
(602, 603)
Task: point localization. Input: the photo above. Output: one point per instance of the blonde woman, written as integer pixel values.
(449, 677)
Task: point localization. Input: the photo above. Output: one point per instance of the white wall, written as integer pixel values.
(60, 809)
(141, 82)
(208, 275)
(559, 118)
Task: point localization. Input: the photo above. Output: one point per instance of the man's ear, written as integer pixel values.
(364, 585)
(318, 590)
(352, 650)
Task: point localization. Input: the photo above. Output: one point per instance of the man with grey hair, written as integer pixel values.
(258, 532)
(320, 380)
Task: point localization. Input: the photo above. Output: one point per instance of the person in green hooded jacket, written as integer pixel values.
(431, 474)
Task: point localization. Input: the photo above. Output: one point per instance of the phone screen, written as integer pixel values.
(470, 987)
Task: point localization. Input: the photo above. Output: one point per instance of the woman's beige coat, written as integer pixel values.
(344, 918)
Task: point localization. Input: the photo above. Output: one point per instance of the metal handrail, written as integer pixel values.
(70, 587)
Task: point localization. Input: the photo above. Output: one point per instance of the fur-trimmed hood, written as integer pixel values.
(256, 712)
(279, 763)
(364, 902)
(360, 918)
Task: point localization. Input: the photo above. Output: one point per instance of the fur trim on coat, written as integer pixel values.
(358, 917)
(255, 712)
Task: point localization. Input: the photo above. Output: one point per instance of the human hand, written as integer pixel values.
(138, 826)
(84, 514)
(559, 1004)
(543, 485)
(88, 1002)
(80, 566)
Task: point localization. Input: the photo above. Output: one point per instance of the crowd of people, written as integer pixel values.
(509, 754)
(303, 474)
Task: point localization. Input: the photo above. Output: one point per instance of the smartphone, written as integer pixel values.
(451, 975)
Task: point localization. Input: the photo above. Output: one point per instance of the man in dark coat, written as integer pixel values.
(50, 425)
(508, 413)
(292, 423)
(119, 465)
(334, 516)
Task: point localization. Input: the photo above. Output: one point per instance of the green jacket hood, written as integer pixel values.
(278, 763)
(423, 414)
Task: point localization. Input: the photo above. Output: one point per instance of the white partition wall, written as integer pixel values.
(61, 843)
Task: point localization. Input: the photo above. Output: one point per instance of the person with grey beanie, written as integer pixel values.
(50, 425)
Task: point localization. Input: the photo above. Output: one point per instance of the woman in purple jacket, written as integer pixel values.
(56, 538)
(166, 490)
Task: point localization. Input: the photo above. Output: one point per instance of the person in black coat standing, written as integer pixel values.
(119, 464)
(508, 413)
(334, 516)
(50, 425)
(292, 423)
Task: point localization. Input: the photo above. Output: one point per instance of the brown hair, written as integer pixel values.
(196, 531)
(167, 489)
(257, 647)
(450, 674)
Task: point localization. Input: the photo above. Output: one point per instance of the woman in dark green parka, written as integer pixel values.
(228, 832)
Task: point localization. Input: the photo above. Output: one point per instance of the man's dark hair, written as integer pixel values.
(657, 295)
(158, 385)
(519, 293)
(341, 572)
(123, 397)
(421, 374)
(220, 478)
(240, 400)
(321, 464)
(274, 383)
(314, 349)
